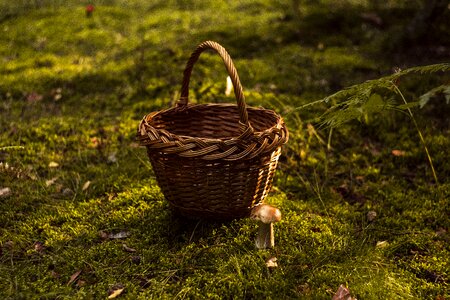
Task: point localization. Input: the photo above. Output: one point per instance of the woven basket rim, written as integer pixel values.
(248, 145)
(279, 119)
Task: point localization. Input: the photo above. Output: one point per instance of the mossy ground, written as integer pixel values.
(73, 90)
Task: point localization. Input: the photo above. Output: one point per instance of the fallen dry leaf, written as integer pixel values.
(103, 235)
(5, 192)
(55, 274)
(86, 185)
(343, 293)
(396, 152)
(53, 164)
(81, 283)
(116, 291)
(271, 263)
(119, 235)
(128, 249)
(51, 181)
(74, 277)
(382, 244)
(34, 97)
(371, 215)
(38, 246)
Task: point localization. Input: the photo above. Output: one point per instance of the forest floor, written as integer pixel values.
(81, 215)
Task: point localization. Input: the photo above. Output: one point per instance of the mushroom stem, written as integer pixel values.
(265, 238)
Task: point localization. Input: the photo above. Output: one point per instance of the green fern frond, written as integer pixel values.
(442, 89)
(356, 108)
(429, 69)
(356, 101)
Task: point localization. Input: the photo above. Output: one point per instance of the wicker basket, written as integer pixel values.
(213, 160)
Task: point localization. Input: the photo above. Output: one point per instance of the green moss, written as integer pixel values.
(73, 91)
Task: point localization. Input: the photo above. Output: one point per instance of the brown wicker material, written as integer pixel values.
(213, 160)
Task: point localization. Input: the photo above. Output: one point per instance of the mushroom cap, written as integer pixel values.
(265, 213)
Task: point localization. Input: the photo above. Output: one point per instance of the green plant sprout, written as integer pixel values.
(397, 90)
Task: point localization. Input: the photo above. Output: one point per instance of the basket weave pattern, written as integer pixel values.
(213, 160)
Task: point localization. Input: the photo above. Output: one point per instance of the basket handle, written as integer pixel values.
(238, 92)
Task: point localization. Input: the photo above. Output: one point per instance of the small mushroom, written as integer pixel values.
(266, 215)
